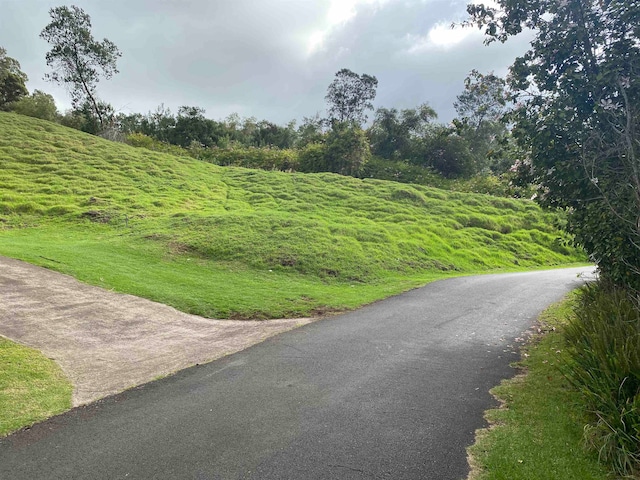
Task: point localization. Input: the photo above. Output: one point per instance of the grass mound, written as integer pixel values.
(234, 242)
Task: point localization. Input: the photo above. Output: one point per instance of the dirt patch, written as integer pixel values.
(106, 342)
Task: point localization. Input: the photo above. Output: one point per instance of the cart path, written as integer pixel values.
(106, 342)
(394, 390)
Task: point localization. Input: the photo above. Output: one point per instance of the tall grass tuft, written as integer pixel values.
(603, 341)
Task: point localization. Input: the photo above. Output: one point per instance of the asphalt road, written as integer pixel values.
(392, 391)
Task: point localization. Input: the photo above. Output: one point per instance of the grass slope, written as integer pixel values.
(232, 242)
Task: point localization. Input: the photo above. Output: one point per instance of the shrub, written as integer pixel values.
(38, 105)
(400, 171)
(312, 158)
(347, 149)
(450, 155)
(264, 158)
(144, 141)
(603, 344)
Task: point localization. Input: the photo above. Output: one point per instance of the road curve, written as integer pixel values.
(394, 390)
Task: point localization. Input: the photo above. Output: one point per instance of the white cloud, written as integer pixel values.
(339, 13)
(271, 59)
(440, 36)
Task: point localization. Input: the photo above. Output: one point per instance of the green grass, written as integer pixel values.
(238, 243)
(32, 387)
(229, 242)
(537, 434)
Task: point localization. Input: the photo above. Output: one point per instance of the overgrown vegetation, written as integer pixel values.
(32, 387)
(577, 118)
(537, 433)
(603, 343)
(233, 242)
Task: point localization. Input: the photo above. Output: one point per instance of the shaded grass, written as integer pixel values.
(241, 243)
(537, 434)
(32, 387)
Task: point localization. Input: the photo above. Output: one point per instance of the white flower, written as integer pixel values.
(607, 104)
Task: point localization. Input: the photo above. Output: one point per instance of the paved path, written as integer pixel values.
(106, 341)
(392, 391)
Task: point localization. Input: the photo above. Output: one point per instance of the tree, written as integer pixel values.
(12, 81)
(483, 100)
(344, 150)
(395, 134)
(193, 127)
(349, 95)
(578, 116)
(77, 59)
(448, 153)
(481, 108)
(311, 130)
(38, 105)
(347, 149)
(268, 134)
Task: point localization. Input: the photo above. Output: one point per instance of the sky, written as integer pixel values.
(268, 59)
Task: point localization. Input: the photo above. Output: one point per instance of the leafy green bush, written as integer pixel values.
(38, 105)
(603, 343)
(347, 149)
(264, 158)
(401, 171)
(141, 140)
(312, 158)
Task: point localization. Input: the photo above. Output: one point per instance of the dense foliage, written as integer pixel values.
(603, 342)
(350, 95)
(12, 81)
(578, 116)
(578, 120)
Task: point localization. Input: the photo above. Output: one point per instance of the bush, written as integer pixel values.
(400, 171)
(312, 158)
(264, 158)
(347, 149)
(603, 344)
(450, 155)
(38, 105)
(141, 140)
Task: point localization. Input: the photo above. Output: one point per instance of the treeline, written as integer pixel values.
(407, 145)
(399, 144)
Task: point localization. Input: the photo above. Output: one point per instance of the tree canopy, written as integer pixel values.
(481, 110)
(578, 116)
(12, 80)
(39, 104)
(350, 95)
(394, 133)
(77, 59)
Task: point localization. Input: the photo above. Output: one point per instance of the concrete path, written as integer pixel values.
(106, 342)
(394, 390)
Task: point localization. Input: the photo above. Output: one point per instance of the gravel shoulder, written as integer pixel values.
(107, 342)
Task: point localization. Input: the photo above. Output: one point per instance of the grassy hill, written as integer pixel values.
(237, 243)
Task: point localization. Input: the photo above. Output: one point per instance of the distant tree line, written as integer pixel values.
(404, 145)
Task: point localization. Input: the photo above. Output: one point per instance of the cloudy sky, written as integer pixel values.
(271, 59)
